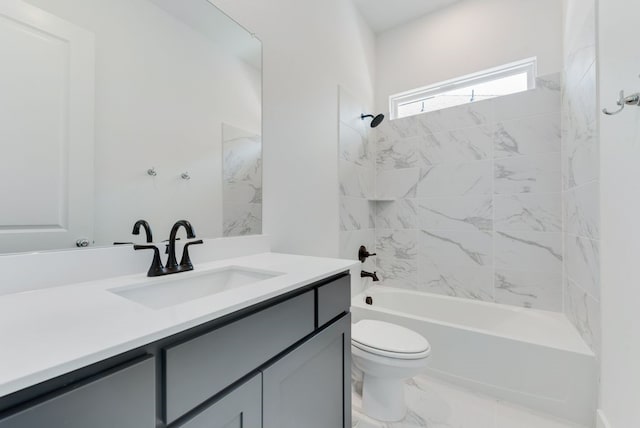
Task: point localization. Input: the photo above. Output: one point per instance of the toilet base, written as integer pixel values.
(383, 398)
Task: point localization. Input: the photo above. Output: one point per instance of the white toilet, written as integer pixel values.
(387, 354)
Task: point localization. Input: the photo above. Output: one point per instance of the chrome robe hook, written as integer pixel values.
(631, 100)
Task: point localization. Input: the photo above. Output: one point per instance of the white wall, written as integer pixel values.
(620, 197)
(469, 36)
(309, 48)
(148, 115)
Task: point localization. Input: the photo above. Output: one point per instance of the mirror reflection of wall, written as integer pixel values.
(165, 79)
(242, 181)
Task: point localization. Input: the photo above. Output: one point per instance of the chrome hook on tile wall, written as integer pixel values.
(623, 101)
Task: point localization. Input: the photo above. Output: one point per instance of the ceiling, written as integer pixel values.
(382, 15)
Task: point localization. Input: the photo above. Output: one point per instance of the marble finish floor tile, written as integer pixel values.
(437, 404)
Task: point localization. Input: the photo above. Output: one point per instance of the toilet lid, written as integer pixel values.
(385, 338)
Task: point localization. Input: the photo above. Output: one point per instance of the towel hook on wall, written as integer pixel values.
(623, 101)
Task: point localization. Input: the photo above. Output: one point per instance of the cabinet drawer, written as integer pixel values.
(200, 368)
(241, 408)
(334, 299)
(124, 399)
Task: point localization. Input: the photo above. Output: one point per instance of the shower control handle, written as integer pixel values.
(363, 254)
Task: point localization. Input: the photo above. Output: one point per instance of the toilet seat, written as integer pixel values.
(389, 340)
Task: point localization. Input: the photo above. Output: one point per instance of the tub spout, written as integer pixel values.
(373, 276)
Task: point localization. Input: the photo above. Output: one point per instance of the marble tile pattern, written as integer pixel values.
(530, 289)
(580, 171)
(582, 256)
(242, 182)
(528, 212)
(528, 136)
(456, 263)
(478, 204)
(583, 310)
(459, 179)
(433, 403)
(242, 219)
(582, 210)
(355, 180)
(529, 251)
(397, 257)
(356, 214)
(397, 183)
(400, 214)
(470, 213)
(457, 145)
(357, 175)
(528, 174)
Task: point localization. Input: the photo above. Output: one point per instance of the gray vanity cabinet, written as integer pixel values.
(310, 387)
(202, 367)
(124, 398)
(333, 300)
(241, 408)
(283, 363)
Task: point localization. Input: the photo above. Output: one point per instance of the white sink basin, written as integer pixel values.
(183, 287)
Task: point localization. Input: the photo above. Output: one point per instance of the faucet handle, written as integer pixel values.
(363, 254)
(185, 263)
(156, 268)
(166, 246)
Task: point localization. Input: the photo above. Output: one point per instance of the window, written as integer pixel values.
(507, 79)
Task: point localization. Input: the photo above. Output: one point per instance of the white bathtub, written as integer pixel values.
(531, 357)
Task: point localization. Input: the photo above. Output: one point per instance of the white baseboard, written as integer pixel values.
(602, 421)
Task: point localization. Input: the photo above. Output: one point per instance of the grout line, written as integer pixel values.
(528, 155)
(573, 235)
(493, 215)
(575, 283)
(579, 186)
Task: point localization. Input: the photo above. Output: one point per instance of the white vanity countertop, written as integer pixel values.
(49, 332)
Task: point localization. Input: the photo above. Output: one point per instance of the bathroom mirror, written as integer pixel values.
(113, 110)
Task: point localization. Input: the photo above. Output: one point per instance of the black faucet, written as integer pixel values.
(147, 230)
(136, 231)
(373, 276)
(172, 266)
(156, 268)
(172, 262)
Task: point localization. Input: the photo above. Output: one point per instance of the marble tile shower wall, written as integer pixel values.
(242, 182)
(580, 157)
(357, 180)
(478, 204)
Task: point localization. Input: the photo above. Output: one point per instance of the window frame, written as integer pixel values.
(528, 65)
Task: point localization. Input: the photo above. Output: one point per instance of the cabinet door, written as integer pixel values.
(202, 367)
(124, 399)
(241, 408)
(309, 387)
